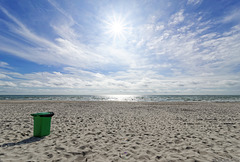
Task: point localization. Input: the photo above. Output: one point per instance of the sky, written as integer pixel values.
(140, 47)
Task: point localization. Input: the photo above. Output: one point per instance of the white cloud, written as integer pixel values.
(5, 65)
(70, 21)
(233, 16)
(194, 2)
(7, 84)
(159, 27)
(185, 28)
(177, 18)
(140, 43)
(3, 76)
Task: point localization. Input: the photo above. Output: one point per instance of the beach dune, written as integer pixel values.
(122, 131)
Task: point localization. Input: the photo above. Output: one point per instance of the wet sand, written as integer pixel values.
(122, 131)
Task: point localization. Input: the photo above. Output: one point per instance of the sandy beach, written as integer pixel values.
(122, 131)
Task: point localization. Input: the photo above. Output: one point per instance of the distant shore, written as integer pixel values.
(122, 131)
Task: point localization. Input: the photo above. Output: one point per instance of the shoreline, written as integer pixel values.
(122, 131)
(157, 102)
(127, 98)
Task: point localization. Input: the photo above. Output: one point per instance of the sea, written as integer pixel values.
(127, 98)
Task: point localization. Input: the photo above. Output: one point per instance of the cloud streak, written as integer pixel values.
(64, 50)
(194, 2)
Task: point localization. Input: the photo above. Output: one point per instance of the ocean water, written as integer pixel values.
(128, 98)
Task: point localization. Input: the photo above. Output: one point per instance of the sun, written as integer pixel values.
(116, 27)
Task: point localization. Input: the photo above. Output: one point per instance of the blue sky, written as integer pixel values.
(120, 47)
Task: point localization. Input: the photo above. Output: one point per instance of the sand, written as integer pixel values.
(122, 131)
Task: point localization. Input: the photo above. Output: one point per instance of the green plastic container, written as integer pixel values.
(42, 123)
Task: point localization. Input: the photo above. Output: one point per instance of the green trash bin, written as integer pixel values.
(42, 123)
